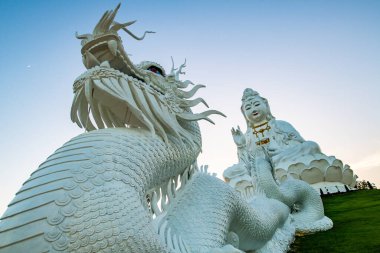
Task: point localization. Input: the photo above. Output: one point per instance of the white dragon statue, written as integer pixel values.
(130, 182)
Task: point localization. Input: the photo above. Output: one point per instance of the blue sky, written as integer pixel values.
(317, 62)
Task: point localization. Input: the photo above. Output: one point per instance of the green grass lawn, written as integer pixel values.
(356, 217)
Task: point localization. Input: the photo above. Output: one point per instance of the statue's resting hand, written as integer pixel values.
(273, 149)
(238, 136)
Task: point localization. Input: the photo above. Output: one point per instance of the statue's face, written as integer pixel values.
(255, 110)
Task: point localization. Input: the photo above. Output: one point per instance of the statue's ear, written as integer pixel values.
(266, 103)
(269, 113)
(246, 120)
(242, 112)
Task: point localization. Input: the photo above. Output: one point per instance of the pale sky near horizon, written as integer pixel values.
(317, 62)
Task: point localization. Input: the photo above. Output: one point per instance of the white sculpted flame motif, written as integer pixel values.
(130, 182)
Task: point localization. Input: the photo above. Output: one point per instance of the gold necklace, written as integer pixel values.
(261, 130)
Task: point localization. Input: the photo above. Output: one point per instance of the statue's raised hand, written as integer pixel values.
(238, 136)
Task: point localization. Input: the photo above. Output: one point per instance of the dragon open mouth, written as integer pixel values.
(114, 92)
(105, 45)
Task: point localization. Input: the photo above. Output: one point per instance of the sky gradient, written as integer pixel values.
(317, 62)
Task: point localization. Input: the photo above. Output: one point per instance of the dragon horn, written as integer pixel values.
(106, 20)
(117, 26)
(173, 69)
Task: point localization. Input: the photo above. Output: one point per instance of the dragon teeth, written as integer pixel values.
(112, 45)
(91, 60)
(105, 64)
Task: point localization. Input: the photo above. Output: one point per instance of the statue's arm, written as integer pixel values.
(290, 132)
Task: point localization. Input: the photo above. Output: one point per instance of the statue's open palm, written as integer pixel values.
(238, 136)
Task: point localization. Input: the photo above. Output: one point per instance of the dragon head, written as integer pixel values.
(114, 92)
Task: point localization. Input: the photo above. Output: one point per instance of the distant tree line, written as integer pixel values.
(365, 185)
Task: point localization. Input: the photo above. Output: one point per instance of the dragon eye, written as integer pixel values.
(156, 70)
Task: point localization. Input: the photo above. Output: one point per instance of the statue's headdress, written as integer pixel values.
(249, 93)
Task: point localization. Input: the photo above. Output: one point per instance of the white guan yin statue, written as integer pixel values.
(290, 154)
(131, 184)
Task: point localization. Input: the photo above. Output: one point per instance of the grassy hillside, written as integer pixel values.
(356, 217)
